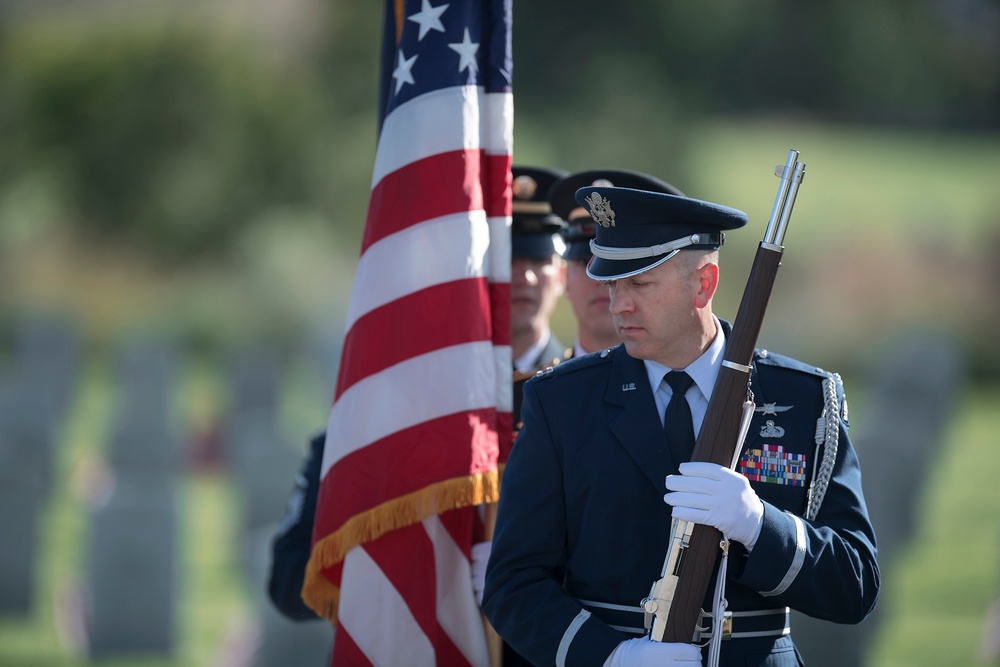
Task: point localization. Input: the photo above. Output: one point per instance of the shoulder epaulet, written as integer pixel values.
(766, 358)
(576, 364)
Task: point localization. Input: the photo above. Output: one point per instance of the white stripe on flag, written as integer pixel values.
(504, 389)
(498, 260)
(433, 252)
(452, 380)
(441, 121)
(457, 612)
(377, 618)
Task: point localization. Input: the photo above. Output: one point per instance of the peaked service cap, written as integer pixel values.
(638, 230)
(580, 227)
(535, 230)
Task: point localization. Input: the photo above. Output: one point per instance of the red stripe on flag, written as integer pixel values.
(406, 558)
(500, 300)
(438, 185)
(462, 524)
(405, 462)
(346, 652)
(397, 331)
(498, 175)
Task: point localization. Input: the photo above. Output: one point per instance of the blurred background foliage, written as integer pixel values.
(201, 170)
(215, 155)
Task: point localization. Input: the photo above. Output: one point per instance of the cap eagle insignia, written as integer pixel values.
(600, 210)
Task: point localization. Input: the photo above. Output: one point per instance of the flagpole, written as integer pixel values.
(494, 644)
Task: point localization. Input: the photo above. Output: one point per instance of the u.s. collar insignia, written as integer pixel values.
(628, 387)
(600, 210)
(773, 409)
(769, 430)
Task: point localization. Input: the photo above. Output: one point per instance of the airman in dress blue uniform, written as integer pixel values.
(583, 521)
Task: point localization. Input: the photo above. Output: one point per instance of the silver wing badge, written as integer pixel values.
(773, 409)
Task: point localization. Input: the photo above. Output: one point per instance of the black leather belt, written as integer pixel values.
(735, 624)
(747, 624)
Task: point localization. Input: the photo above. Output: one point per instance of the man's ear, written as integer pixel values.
(708, 281)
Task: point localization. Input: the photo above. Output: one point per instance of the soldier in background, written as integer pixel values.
(537, 269)
(595, 328)
(581, 529)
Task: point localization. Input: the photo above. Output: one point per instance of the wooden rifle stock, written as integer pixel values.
(719, 435)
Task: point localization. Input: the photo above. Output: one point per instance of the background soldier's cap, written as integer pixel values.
(638, 230)
(579, 225)
(534, 228)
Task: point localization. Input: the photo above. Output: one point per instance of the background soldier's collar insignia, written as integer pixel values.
(600, 210)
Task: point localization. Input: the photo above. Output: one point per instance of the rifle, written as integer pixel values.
(674, 602)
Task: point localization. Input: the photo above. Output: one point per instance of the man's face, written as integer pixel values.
(590, 300)
(535, 288)
(655, 312)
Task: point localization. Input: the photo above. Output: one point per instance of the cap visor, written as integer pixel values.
(605, 269)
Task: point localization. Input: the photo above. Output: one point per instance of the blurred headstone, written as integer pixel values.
(325, 348)
(256, 374)
(25, 483)
(912, 389)
(265, 468)
(43, 366)
(263, 462)
(132, 558)
(132, 569)
(142, 435)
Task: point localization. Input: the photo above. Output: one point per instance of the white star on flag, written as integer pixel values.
(429, 18)
(466, 50)
(402, 73)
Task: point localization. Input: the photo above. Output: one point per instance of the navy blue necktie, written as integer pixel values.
(677, 423)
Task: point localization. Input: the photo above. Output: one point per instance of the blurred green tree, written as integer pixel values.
(169, 137)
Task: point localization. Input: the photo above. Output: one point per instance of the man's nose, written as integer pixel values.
(619, 302)
(523, 274)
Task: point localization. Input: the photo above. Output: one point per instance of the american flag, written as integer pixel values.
(421, 413)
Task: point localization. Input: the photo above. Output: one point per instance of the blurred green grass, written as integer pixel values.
(936, 594)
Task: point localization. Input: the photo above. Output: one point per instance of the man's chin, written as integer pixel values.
(635, 349)
(522, 319)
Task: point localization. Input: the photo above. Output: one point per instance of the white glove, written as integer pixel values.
(713, 495)
(644, 652)
(480, 556)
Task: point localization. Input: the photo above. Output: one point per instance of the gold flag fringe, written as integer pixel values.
(322, 596)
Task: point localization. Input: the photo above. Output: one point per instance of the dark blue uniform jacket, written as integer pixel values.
(582, 528)
(293, 540)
